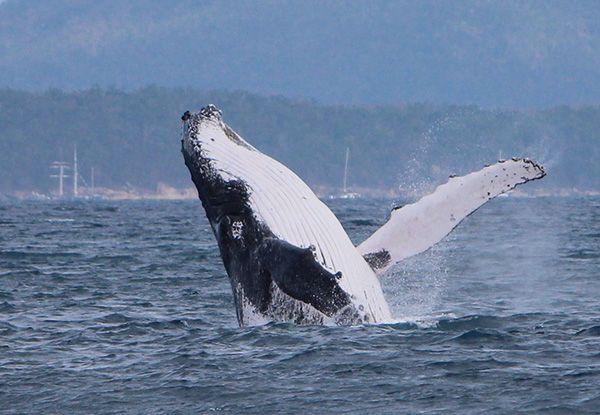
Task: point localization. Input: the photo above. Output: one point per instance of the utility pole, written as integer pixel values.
(61, 166)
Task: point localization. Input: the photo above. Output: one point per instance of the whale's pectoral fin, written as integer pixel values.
(414, 228)
(299, 275)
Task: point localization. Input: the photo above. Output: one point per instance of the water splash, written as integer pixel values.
(414, 288)
(435, 157)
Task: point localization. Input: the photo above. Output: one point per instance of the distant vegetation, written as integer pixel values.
(132, 138)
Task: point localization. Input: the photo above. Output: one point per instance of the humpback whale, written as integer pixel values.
(287, 256)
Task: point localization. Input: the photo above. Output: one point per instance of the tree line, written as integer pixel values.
(132, 138)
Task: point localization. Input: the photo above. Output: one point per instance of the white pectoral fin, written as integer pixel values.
(414, 228)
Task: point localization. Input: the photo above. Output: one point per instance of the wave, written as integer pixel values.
(484, 335)
(59, 220)
(593, 331)
(583, 254)
(17, 255)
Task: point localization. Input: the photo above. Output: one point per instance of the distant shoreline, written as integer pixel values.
(165, 192)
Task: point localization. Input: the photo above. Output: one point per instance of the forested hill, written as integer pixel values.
(495, 54)
(132, 139)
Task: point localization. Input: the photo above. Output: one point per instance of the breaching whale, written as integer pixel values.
(287, 256)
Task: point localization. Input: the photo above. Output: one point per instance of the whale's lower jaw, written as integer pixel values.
(284, 308)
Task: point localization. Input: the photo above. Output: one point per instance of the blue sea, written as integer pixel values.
(124, 307)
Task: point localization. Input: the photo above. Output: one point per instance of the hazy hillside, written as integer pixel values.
(132, 138)
(512, 53)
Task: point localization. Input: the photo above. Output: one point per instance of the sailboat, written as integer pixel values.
(345, 193)
(87, 193)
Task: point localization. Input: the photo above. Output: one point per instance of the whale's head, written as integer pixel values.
(206, 136)
(213, 153)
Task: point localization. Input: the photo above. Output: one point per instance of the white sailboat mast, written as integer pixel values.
(346, 167)
(75, 172)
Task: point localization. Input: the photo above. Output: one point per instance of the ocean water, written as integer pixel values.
(123, 307)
